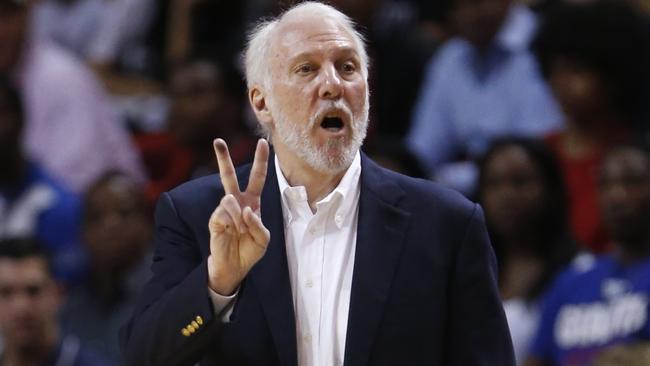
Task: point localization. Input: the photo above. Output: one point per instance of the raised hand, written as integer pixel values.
(238, 238)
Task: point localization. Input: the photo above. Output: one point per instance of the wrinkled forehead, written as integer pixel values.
(295, 32)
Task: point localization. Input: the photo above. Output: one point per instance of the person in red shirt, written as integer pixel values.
(592, 56)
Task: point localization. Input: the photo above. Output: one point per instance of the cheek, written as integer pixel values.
(358, 99)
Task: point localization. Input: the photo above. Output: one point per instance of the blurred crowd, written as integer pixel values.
(538, 110)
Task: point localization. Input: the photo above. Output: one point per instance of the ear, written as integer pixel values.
(257, 99)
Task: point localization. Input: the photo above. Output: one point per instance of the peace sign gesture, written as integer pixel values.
(238, 238)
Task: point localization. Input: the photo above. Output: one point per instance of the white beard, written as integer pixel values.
(337, 154)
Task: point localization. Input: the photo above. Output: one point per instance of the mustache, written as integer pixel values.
(331, 106)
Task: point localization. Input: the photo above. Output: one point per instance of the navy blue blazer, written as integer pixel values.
(423, 290)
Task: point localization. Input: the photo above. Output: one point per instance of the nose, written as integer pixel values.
(331, 86)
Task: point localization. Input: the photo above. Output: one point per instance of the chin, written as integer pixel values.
(339, 160)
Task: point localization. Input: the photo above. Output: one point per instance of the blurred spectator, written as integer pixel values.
(206, 103)
(102, 32)
(399, 49)
(70, 128)
(392, 154)
(117, 236)
(592, 55)
(32, 204)
(522, 192)
(189, 29)
(29, 303)
(480, 85)
(602, 302)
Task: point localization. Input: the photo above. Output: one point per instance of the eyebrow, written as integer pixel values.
(342, 50)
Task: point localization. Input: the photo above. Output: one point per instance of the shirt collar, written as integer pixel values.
(517, 30)
(344, 197)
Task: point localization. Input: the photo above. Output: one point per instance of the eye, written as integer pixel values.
(349, 67)
(304, 69)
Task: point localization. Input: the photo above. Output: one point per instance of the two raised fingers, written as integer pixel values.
(227, 169)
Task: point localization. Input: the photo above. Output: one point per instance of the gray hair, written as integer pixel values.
(256, 56)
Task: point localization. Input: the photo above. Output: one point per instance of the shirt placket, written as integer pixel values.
(313, 280)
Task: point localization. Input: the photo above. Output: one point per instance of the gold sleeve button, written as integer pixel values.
(190, 328)
(199, 320)
(195, 324)
(185, 332)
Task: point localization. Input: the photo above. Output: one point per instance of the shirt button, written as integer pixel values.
(338, 219)
(312, 230)
(309, 283)
(307, 338)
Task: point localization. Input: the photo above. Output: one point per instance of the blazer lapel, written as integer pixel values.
(270, 276)
(380, 234)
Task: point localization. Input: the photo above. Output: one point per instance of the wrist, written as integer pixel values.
(223, 284)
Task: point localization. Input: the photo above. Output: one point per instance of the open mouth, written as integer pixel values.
(332, 124)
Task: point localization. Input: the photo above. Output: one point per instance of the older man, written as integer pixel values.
(324, 259)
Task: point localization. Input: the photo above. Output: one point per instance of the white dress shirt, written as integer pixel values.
(320, 254)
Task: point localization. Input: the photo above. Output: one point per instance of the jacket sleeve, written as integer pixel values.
(478, 328)
(175, 297)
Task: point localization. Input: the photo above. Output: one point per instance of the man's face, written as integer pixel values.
(200, 110)
(29, 301)
(13, 30)
(116, 226)
(513, 192)
(318, 97)
(624, 189)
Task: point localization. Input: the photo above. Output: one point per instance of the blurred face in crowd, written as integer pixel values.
(29, 303)
(578, 88)
(478, 21)
(200, 109)
(513, 192)
(13, 31)
(116, 225)
(317, 104)
(625, 195)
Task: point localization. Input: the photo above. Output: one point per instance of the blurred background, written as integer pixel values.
(538, 110)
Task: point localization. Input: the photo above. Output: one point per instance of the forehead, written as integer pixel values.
(511, 154)
(299, 34)
(23, 270)
(114, 192)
